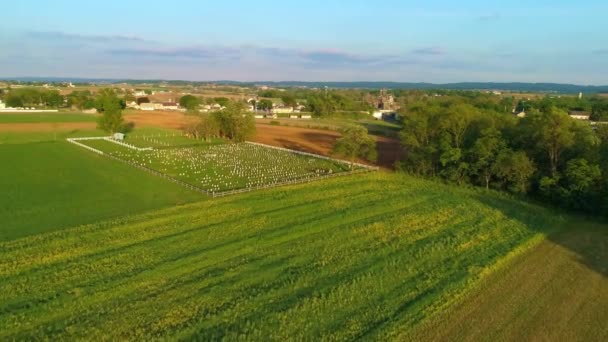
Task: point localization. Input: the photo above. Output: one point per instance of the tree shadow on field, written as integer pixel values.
(389, 152)
(292, 145)
(322, 139)
(586, 237)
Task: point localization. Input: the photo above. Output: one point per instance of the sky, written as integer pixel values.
(437, 41)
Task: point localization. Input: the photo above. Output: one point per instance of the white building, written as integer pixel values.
(132, 104)
(2, 105)
(151, 106)
(138, 93)
(579, 115)
(282, 110)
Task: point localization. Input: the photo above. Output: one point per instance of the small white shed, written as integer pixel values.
(118, 136)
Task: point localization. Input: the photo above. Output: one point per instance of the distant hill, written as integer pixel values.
(505, 86)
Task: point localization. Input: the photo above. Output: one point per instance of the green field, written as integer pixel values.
(58, 135)
(51, 185)
(368, 256)
(46, 117)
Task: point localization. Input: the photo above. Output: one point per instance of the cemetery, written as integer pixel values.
(219, 168)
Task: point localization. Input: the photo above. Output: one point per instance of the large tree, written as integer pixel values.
(485, 152)
(190, 102)
(355, 143)
(110, 106)
(264, 104)
(235, 122)
(552, 131)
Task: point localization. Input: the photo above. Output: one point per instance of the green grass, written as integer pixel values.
(51, 185)
(48, 136)
(46, 117)
(361, 257)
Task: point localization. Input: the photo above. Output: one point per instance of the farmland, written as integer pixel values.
(96, 249)
(45, 117)
(338, 259)
(557, 291)
(219, 167)
(52, 185)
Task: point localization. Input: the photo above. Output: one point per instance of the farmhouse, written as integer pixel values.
(579, 115)
(170, 106)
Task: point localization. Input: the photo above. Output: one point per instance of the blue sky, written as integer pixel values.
(331, 40)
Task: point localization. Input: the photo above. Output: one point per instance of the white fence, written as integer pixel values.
(122, 143)
(75, 142)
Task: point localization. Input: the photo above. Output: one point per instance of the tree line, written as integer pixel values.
(547, 154)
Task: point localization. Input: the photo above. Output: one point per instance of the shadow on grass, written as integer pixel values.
(586, 237)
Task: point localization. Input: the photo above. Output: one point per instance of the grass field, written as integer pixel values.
(46, 117)
(367, 256)
(51, 185)
(48, 135)
(556, 292)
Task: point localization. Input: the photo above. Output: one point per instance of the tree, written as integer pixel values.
(110, 106)
(190, 102)
(205, 128)
(141, 100)
(129, 97)
(235, 122)
(264, 104)
(14, 101)
(555, 135)
(355, 143)
(222, 101)
(515, 170)
(289, 101)
(53, 99)
(81, 99)
(485, 152)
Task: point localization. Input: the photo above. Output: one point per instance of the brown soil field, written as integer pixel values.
(45, 126)
(166, 119)
(321, 141)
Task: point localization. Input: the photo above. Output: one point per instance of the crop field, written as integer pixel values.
(556, 292)
(367, 256)
(219, 167)
(51, 185)
(46, 117)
